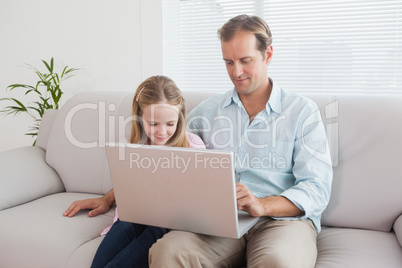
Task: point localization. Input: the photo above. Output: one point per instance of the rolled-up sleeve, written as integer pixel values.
(312, 167)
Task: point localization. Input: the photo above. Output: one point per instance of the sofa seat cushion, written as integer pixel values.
(84, 255)
(36, 234)
(339, 247)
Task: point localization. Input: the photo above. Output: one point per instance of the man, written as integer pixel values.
(283, 162)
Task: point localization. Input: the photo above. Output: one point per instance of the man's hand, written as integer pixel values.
(271, 206)
(97, 205)
(247, 202)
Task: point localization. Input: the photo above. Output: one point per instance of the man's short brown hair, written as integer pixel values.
(250, 24)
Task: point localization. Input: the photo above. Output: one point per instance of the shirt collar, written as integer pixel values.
(232, 97)
(274, 103)
(275, 99)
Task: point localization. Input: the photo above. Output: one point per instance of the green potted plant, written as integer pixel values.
(48, 94)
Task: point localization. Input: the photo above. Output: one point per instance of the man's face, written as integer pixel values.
(245, 64)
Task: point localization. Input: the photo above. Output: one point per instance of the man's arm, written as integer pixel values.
(312, 170)
(97, 205)
(272, 206)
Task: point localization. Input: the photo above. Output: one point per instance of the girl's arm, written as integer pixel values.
(97, 205)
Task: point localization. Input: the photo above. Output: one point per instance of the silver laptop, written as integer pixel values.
(177, 188)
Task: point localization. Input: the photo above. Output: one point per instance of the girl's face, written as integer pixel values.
(160, 122)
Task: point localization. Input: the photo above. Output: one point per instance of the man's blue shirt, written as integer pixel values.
(283, 151)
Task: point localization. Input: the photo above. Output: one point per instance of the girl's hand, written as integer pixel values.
(97, 205)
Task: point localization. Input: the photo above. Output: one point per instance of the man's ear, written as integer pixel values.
(268, 54)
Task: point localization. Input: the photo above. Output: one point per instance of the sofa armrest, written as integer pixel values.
(45, 128)
(398, 229)
(25, 176)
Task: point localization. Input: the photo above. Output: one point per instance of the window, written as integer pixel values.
(319, 46)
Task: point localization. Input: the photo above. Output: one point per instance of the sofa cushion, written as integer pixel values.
(365, 138)
(46, 238)
(193, 98)
(76, 146)
(26, 176)
(339, 247)
(84, 255)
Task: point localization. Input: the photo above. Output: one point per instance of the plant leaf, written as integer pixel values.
(57, 79)
(50, 68)
(72, 70)
(42, 76)
(51, 64)
(33, 134)
(9, 110)
(64, 71)
(38, 73)
(13, 86)
(19, 103)
(53, 78)
(37, 85)
(39, 110)
(46, 104)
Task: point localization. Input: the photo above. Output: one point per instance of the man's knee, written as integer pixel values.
(283, 244)
(163, 248)
(170, 250)
(283, 259)
(184, 249)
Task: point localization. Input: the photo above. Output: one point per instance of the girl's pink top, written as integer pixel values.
(193, 141)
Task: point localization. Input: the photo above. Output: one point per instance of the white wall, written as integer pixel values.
(116, 43)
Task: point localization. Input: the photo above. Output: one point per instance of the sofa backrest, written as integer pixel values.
(363, 133)
(80, 129)
(366, 142)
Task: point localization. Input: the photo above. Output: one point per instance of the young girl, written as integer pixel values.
(159, 119)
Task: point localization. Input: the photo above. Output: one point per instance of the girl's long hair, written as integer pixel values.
(156, 90)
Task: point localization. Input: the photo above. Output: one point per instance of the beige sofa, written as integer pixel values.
(362, 224)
